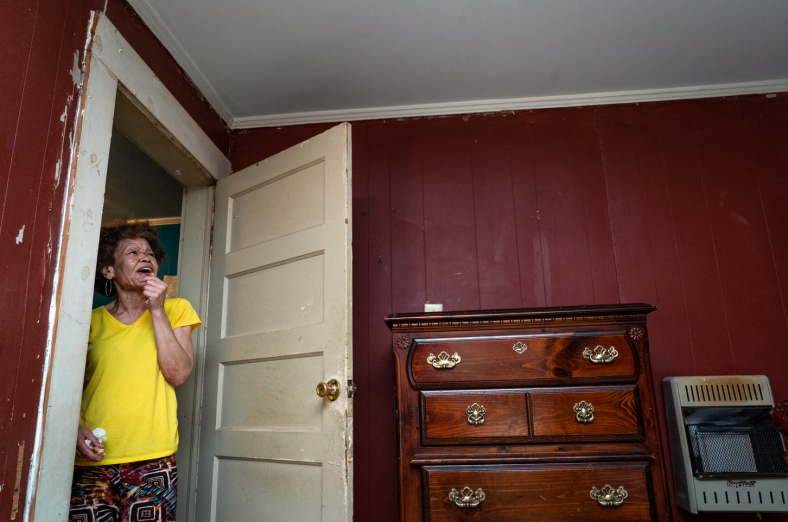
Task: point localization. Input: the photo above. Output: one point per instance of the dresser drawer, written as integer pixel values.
(482, 417)
(531, 493)
(523, 360)
(609, 413)
(576, 414)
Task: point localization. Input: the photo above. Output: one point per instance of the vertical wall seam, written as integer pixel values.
(538, 218)
(714, 249)
(676, 246)
(468, 136)
(585, 222)
(388, 214)
(423, 214)
(514, 207)
(607, 195)
(766, 222)
(649, 240)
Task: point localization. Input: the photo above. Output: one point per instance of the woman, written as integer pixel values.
(139, 349)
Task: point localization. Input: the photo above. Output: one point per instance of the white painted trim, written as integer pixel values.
(78, 249)
(511, 104)
(194, 261)
(155, 222)
(131, 70)
(173, 45)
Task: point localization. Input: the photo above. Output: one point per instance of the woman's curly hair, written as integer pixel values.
(110, 238)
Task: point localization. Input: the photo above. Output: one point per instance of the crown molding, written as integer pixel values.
(165, 36)
(511, 104)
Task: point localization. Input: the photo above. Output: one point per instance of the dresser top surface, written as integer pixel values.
(518, 316)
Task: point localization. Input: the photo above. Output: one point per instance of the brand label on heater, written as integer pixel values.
(741, 483)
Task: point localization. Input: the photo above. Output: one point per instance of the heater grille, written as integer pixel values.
(749, 496)
(737, 450)
(735, 392)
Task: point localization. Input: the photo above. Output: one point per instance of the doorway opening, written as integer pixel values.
(139, 189)
(151, 177)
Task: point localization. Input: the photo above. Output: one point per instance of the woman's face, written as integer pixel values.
(134, 264)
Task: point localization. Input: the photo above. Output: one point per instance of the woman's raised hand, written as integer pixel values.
(83, 450)
(155, 291)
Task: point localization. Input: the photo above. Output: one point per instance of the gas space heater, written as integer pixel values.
(726, 453)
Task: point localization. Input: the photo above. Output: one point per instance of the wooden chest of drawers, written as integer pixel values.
(528, 415)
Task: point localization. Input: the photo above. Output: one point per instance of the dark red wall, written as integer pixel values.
(682, 204)
(38, 104)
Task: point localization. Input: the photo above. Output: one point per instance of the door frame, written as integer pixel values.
(112, 66)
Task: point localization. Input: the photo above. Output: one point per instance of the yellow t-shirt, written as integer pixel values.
(125, 392)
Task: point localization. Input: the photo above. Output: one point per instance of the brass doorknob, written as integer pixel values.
(330, 389)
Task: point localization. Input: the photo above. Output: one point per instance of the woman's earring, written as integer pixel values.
(108, 287)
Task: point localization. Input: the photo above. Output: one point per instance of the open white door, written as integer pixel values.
(279, 323)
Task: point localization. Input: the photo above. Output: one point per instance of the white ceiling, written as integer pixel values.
(293, 61)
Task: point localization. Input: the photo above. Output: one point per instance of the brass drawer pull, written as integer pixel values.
(444, 361)
(585, 412)
(519, 347)
(466, 498)
(475, 413)
(609, 497)
(600, 354)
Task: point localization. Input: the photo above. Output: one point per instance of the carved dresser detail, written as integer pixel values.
(528, 415)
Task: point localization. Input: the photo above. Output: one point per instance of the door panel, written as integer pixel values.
(288, 491)
(279, 322)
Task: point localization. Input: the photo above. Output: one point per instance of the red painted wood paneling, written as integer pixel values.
(766, 124)
(17, 20)
(589, 167)
(566, 260)
(381, 475)
(30, 179)
(748, 280)
(526, 209)
(693, 240)
(496, 231)
(408, 268)
(671, 316)
(569, 206)
(449, 227)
